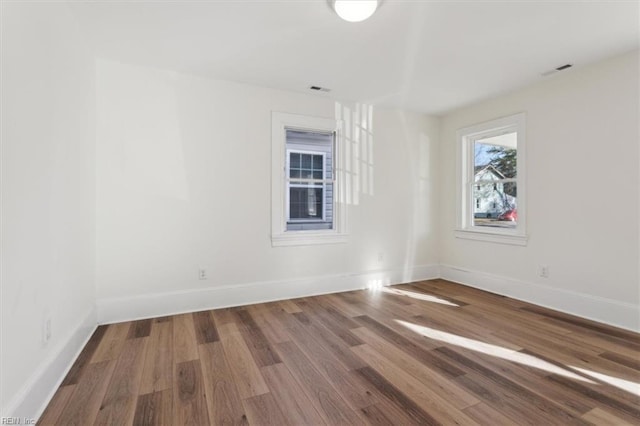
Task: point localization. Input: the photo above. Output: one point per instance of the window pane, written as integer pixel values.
(496, 156)
(317, 162)
(317, 174)
(306, 161)
(495, 204)
(305, 203)
(293, 173)
(294, 160)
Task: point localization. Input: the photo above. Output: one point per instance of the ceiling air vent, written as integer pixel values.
(319, 89)
(555, 70)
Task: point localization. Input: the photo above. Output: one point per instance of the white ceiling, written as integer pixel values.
(429, 56)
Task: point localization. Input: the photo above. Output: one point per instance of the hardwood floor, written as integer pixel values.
(427, 353)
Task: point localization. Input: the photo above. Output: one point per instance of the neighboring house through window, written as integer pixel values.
(492, 189)
(310, 180)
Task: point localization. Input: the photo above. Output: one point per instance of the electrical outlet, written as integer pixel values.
(46, 330)
(202, 274)
(543, 271)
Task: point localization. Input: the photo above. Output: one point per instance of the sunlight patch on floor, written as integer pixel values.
(493, 350)
(418, 296)
(625, 385)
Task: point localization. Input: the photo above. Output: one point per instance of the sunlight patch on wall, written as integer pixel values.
(356, 168)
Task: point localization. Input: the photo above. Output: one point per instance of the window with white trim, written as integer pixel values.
(305, 190)
(491, 190)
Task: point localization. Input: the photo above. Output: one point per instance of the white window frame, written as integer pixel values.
(466, 139)
(280, 236)
(315, 183)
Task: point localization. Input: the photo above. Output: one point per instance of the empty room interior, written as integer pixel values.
(320, 212)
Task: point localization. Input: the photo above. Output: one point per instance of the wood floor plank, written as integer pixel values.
(112, 342)
(290, 396)
(376, 416)
(325, 342)
(330, 364)
(322, 395)
(332, 320)
(223, 399)
(268, 324)
(633, 363)
(264, 410)
(532, 374)
(436, 405)
(185, 345)
(158, 366)
(56, 405)
(340, 318)
(342, 306)
(141, 328)
(630, 411)
(255, 339)
(502, 400)
(543, 404)
(119, 403)
(411, 408)
(416, 287)
(601, 371)
(430, 352)
(423, 372)
(386, 305)
(444, 320)
(247, 376)
(85, 401)
(206, 331)
(154, 409)
(592, 326)
(189, 402)
(545, 344)
(224, 316)
(419, 353)
(484, 414)
(289, 306)
(78, 367)
(598, 416)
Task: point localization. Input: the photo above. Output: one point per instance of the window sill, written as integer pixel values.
(302, 238)
(491, 237)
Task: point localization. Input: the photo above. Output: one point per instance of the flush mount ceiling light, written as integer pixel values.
(355, 10)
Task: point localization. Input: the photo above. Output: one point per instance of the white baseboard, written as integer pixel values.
(31, 400)
(608, 311)
(130, 308)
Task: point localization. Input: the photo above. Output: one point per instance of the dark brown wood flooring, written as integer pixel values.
(425, 353)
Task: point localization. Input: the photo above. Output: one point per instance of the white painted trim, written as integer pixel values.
(492, 237)
(607, 311)
(112, 310)
(465, 138)
(280, 122)
(34, 396)
(306, 238)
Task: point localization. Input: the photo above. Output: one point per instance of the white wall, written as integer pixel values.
(48, 200)
(583, 215)
(184, 181)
